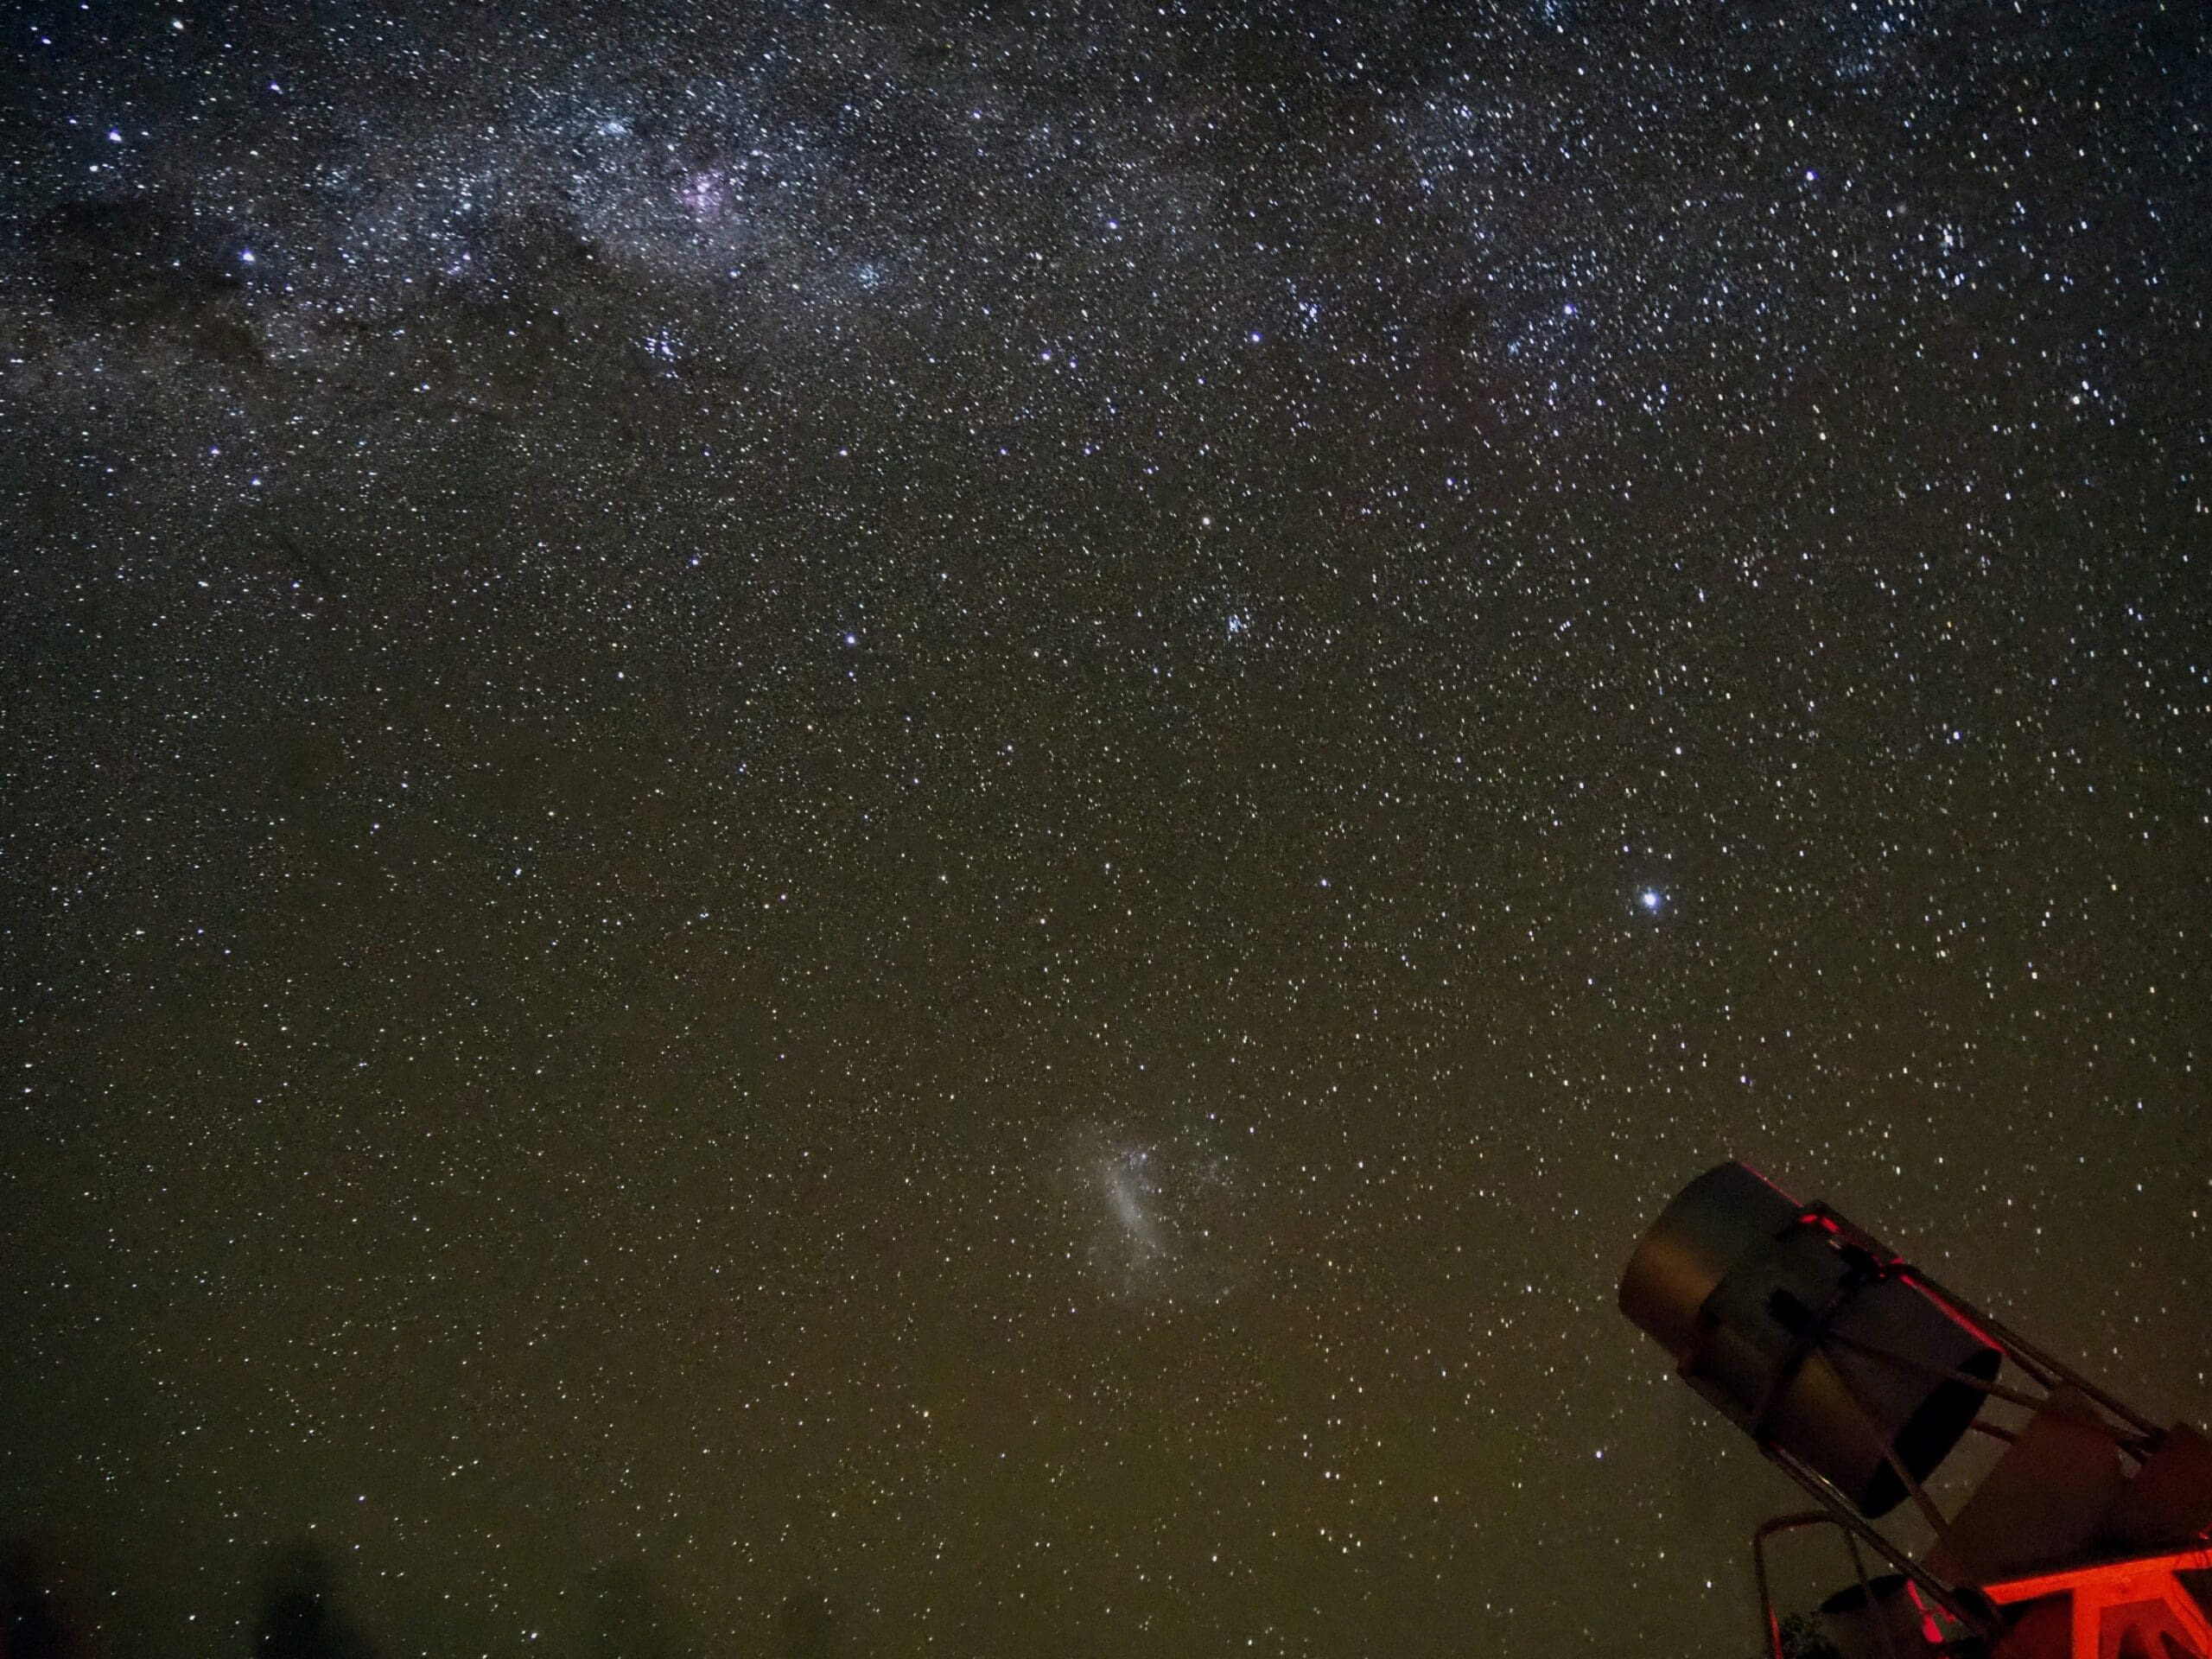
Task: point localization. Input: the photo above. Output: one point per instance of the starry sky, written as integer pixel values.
(931, 823)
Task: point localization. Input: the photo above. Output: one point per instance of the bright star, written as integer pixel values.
(1650, 899)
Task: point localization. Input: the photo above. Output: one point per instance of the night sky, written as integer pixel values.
(909, 830)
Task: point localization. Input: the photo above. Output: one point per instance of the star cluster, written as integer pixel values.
(888, 831)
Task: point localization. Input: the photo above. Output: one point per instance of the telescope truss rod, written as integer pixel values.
(2023, 1350)
(2044, 1367)
(1867, 1597)
(1766, 1530)
(2125, 1437)
(1975, 1618)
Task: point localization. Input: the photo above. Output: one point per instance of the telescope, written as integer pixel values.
(1859, 1376)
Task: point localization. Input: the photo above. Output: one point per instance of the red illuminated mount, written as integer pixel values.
(2112, 1609)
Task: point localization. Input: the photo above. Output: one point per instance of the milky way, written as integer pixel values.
(883, 830)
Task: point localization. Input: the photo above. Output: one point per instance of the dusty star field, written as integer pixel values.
(891, 830)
